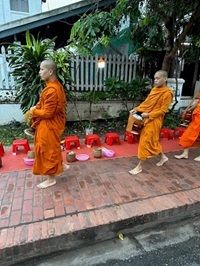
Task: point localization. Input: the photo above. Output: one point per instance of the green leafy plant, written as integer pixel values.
(126, 91)
(61, 57)
(98, 25)
(24, 61)
(172, 120)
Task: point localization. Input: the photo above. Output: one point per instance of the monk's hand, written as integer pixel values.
(133, 111)
(32, 109)
(145, 115)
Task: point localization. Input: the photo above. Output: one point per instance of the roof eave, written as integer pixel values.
(48, 17)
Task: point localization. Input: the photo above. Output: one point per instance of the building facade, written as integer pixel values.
(16, 9)
(52, 4)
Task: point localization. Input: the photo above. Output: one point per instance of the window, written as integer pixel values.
(19, 5)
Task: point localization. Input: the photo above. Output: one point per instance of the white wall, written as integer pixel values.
(52, 4)
(9, 112)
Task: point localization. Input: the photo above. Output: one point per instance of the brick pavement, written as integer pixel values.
(92, 201)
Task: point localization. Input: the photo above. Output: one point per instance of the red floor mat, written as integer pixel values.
(16, 162)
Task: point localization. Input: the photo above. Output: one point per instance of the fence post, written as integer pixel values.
(5, 67)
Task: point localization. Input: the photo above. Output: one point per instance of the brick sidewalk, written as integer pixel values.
(91, 202)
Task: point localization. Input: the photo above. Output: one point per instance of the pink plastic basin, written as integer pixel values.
(107, 152)
(28, 161)
(82, 157)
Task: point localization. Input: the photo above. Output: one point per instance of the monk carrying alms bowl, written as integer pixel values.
(136, 122)
(28, 120)
(139, 121)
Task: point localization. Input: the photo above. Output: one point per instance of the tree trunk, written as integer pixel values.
(171, 49)
(195, 75)
(167, 62)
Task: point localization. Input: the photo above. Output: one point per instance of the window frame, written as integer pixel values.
(17, 6)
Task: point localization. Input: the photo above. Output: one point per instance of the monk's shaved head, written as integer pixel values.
(163, 73)
(160, 78)
(50, 64)
(48, 70)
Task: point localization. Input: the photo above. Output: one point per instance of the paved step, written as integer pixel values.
(92, 202)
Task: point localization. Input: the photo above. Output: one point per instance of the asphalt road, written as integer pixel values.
(169, 245)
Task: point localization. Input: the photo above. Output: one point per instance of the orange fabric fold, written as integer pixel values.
(191, 136)
(49, 122)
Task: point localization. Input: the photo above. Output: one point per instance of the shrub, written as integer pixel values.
(25, 60)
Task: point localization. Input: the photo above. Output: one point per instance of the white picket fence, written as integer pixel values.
(87, 76)
(84, 71)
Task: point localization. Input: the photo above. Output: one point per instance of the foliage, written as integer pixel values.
(96, 26)
(15, 129)
(25, 63)
(8, 97)
(155, 25)
(172, 120)
(174, 20)
(11, 131)
(93, 97)
(61, 58)
(115, 89)
(126, 91)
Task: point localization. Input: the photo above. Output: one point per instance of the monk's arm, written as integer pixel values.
(142, 106)
(167, 100)
(50, 104)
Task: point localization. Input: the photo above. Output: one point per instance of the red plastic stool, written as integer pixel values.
(1, 150)
(112, 137)
(20, 142)
(178, 132)
(171, 134)
(92, 139)
(129, 137)
(72, 140)
(165, 133)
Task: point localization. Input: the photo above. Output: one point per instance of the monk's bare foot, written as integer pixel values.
(47, 183)
(197, 159)
(66, 166)
(181, 156)
(136, 170)
(162, 161)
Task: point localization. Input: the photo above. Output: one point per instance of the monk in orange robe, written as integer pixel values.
(152, 111)
(49, 118)
(191, 136)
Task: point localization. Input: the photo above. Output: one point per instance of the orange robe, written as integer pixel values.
(191, 135)
(156, 104)
(49, 123)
